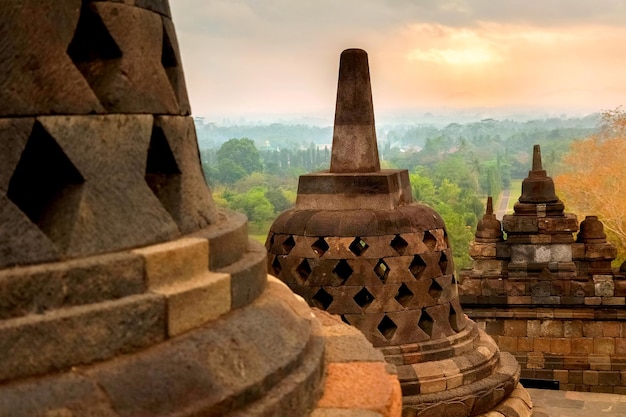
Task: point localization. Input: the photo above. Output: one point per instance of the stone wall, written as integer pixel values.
(584, 349)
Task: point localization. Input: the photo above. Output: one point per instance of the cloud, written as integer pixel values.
(247, 56)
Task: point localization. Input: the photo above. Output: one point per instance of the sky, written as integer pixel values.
(271, 59)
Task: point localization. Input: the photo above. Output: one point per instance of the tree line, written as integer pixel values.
(452, 168)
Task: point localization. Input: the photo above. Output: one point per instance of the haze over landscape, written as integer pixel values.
(272, 59)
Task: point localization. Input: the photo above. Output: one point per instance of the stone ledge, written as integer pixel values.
(228, 238)
(195, 302)
(451, 346)
(173, 262)
(248, 275)
(51, 342)
(40, 288)
(265, 359)
(475, 398)
(463, 369)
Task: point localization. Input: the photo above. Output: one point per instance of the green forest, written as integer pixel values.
(254, 169)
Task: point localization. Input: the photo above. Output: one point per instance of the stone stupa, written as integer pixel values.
(356, 245)
(123, 290)
(547, 294)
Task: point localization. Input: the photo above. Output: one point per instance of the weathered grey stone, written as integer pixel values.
(174, 175)
(560, 253)
(248, 275)
(543, 253)
(228, 238)
(522, 253)
(221, 367)
(14, 134)
(37, 75)
(116, 209)
(21, 241)
(172, 62)
(40, 288)
(133, 79)
(38, 344)
(67, 395)
(604, 285)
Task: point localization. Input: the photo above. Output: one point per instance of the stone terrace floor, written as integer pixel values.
(577, 404)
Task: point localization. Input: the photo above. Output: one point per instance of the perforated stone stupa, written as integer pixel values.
(357, 246)
(123, 290)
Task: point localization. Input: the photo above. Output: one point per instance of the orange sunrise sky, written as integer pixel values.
(271, 58)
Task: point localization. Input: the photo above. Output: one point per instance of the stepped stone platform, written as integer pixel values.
(124, 291)
(356, 245)
(550, 299)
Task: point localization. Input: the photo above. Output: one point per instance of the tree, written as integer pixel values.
(594, 177)
(423, 188)
(278, 199)
(254, 204)
(237, 158)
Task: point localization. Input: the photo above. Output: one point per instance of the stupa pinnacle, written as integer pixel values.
(354, 137)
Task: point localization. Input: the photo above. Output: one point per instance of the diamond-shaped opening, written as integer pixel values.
(443, 263)
(430, 241)
(162, 173)
(276, 267)
(94, 51)
(343, 270)
(404, 295)
(344, 319)
(288, 245)
(46, 186)
(435, 290)
(304, 270)
(426, 323)
(417, 266)
(387, 327)
(170, 62)
(322, 299)
(453, 320)
(381, 270)
(358, 246)
(399, 244)
(320, 246)
(363, 298)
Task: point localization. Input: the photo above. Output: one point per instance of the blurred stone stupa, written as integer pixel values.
(356, 245)
(123, 290)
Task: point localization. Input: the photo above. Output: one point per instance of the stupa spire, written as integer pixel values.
(354, 136)
(537, 158)
(489, 210)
